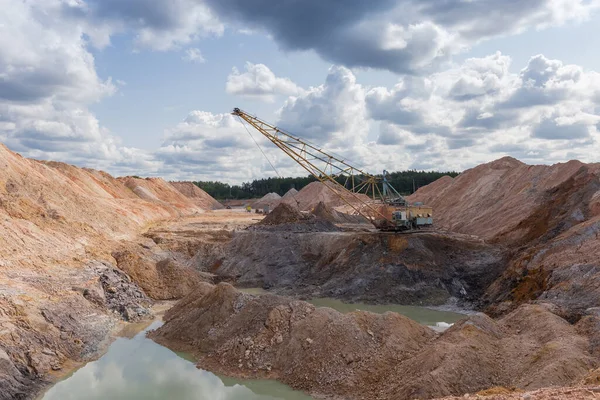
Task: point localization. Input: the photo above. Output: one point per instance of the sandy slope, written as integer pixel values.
(60, 293)
(549, 216)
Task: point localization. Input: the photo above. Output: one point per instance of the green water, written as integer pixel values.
(436, 319)
(140, 369)
(422, 315)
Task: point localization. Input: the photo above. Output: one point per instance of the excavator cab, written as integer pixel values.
(401, 220)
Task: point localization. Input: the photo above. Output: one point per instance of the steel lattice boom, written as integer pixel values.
(326, 167)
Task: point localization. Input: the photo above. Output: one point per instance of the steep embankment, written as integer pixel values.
(548, 215)
(426, 269)
(197, 195)
(364, 355)
(60, 294)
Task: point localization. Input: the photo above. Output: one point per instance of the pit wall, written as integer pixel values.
(420, 269)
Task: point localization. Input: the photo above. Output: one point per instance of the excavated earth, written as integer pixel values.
(82, 253)
(375, 356)
(516, 241)
(75, 264)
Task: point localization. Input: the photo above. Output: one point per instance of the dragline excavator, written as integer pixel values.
(371, 196)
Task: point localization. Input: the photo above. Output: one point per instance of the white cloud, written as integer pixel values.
(479, 110)
(454, 118)
(47, 79)
(259, 82)
(157, 25)
(194, 55)
(403, 36)
(333, 112)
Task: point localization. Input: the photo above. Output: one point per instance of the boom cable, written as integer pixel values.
(267, 158)
(257, 145)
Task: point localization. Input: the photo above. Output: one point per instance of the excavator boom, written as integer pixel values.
(330, 169)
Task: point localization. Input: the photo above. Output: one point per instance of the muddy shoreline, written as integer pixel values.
(364, 355)
(121, 329)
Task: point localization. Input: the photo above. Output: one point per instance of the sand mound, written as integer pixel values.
(160, 191)
(549, 216)
(197, 195)
(283, 214)
(160, 278)
(287, 218)
(493, 200)
(365, 355)
(328, 214)
(290, 193)
(270, 200)
(277, 334)
(316, 192)
(56, 298)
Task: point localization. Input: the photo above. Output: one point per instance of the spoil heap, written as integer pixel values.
(270, 200)
(58, 289)
(290, 193)
(499, 200)
(197, 195)
(287, 218)
(365, 355)
(283, 214)
(159, 191)
(329, 214)
(316, 192)
(548, 215)
(160, 278)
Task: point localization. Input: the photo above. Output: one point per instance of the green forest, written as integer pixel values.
(404, 182)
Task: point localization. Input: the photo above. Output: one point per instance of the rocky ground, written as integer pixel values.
(424, 269)
(519, 242)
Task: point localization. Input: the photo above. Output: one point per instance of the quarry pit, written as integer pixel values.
(84, 255)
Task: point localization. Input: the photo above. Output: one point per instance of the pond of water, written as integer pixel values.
(139, 369)
(136, 368)
(436, 319)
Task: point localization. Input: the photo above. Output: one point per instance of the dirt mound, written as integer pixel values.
(329, 214)
(290, 193)
(287, 218)
(495, 200)
(283, 214)
(59, 297)
(275, 337)
(316, 192)
(549, 217)
(365, 355)
(197, 195)
(160, 191)
(570, 393)
(160, 278)
(423, 269)
(270, 200)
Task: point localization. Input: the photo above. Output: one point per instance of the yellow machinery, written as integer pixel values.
(384, 206)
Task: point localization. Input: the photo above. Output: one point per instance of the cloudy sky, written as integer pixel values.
(145, 87)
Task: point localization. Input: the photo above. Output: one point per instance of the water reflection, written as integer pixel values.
(426, 316)
(436, 319)
(138, 368)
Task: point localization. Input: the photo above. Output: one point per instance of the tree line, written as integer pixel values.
(404, 182)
